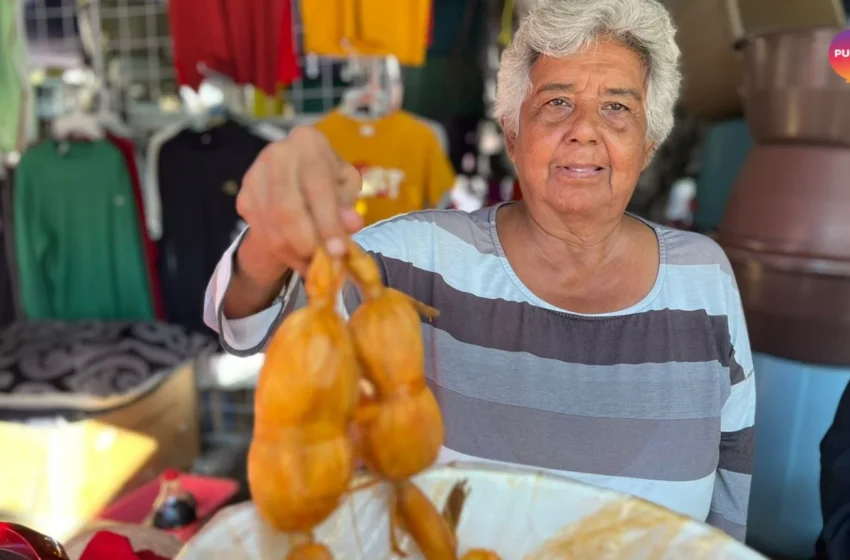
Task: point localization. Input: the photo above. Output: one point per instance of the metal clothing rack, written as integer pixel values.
(127, 44)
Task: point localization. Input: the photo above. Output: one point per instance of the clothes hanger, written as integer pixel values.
(381, 93)
(79, 123)
(210, 107)
(364, 103)
(207, 107)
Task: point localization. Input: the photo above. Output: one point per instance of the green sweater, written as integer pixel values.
(12, 63)
(77, 234)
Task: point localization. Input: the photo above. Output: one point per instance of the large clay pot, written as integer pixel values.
(708, 31)
(787, 233)
(791, 93)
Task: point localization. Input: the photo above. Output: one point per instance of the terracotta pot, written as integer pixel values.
(708, 31)
(787, 233)
(791, 93)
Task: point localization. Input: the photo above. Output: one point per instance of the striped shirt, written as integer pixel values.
(657, 400)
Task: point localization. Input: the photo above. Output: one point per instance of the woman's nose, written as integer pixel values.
(584, 127)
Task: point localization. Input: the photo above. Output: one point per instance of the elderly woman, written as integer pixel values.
(572, 336)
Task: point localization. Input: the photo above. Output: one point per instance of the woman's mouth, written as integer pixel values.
(579, 171)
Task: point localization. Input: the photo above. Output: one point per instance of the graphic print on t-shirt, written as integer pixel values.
(230, 187)
(402, 164)
(380, 181)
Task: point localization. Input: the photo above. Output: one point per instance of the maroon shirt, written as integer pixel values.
(125, 146)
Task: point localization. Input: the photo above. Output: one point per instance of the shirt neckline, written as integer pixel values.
(535, 300)
(378, 125)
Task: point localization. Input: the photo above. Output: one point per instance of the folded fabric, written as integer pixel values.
(106, 545)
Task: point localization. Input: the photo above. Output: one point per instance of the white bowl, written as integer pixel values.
(517, 512)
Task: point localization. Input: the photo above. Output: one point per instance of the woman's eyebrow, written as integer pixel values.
(569, 88)
(556, 87)
(625, 92)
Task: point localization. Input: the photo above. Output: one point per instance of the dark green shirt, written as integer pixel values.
(77, 234)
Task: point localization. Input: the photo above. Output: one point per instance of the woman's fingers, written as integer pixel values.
(318, 184)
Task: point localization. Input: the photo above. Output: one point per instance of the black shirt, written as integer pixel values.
(200, 174)
(8, 272)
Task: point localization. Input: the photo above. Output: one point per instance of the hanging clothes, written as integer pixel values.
(507, 24)
(9, 238)
(261, 39)
(199, 34)
(268, 98)
(8, 288)
(371, 27)
(61, 371)
(266, 106)
(199, 176)
(16, 110)
(250, 41)
(128, 37)
(77, 234)
(403, 166)
(288, 70)
(455, 66)
(150, 180)
(128, 150)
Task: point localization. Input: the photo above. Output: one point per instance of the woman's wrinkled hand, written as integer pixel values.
(297, 195)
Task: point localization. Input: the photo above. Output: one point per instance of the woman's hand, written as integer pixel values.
(297, 194)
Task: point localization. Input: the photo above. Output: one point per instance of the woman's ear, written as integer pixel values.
(647, 156)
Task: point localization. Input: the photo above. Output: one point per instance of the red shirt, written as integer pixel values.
(288, 70)
(250, 41)
(199, 34)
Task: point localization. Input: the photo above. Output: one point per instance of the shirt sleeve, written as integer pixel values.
(250, 335)
(32, 243)
(128, 254)
(150, 182)
(730, 501)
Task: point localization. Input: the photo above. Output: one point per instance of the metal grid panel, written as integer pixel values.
(137, 50)
(52, 33)
(227, 416)
(127, 43)
(317, 91)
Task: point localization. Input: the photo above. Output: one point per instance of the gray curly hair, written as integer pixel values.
(560, 28)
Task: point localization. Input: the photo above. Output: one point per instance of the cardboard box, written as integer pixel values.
(57, 477)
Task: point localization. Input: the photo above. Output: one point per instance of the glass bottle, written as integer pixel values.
(174, 507)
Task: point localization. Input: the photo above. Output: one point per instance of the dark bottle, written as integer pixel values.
(174, 507)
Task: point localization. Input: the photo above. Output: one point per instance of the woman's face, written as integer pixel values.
(581, 143)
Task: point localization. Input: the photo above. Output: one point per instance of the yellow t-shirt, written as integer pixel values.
(403, 166)
(372, 27)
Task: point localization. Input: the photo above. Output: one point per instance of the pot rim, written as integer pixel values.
(743, 42)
